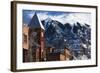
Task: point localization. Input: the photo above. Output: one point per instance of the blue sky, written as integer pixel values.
(63, 17)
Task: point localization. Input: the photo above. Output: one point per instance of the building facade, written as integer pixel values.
(34, 49)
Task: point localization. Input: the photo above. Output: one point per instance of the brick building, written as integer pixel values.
(59, 56)
(33, 40)
(34, 49)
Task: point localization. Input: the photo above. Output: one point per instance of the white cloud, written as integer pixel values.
(31, 15)
(80, 17)
(73, 17)
(61, 18)
(43, 15)
(66, 18)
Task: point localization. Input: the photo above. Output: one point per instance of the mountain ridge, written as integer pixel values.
(76, 37)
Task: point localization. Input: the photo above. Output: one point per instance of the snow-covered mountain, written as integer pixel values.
(76, 36)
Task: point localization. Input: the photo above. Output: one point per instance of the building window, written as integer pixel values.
(24, 38)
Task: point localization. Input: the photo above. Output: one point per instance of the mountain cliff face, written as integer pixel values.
(76, 37)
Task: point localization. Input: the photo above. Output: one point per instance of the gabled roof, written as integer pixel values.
(35, 22)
